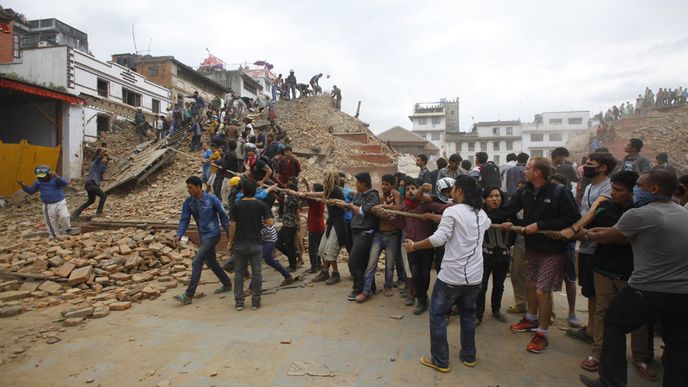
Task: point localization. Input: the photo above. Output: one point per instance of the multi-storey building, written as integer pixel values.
(496, 138)
(553, 129)
(434, 120)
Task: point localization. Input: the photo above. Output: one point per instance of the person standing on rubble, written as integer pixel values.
(52, 195)
(195, 130)
(92, 186)
(209, 216)
(337, 96)
(291, 85)
(140, 123)
(315, 85)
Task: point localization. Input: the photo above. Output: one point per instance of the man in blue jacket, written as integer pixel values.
(52, 195)
(209, 215)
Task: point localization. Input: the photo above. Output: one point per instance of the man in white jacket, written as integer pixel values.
(461, 231)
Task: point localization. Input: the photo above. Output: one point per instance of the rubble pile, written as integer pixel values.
(311, 123)
(663, 131)
(94, 273)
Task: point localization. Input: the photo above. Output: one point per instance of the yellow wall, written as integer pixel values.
(18, 161)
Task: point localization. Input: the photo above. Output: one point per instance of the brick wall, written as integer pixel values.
(7, 45)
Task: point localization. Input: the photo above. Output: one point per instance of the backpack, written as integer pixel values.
(490, 176)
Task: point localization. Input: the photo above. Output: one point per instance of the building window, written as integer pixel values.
(575, 121)
(483, 146)
(471, 146)
(471, 158)
(536, 153)
(495, 158)
(555, 137)
(509, 145)
(555, 121)
(495, 131)
(422, 121)
(131, 98)
(509, 131)
(15, 47)
(250, 88)
(435, 136)
(495, 146)
(153, 71)
(536, 137)
(156, 106)
(435, 122)
(103, 88)
(458, 147)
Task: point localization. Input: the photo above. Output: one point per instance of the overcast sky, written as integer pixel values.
(503, 59)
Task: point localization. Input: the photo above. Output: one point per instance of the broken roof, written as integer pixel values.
(399, 134)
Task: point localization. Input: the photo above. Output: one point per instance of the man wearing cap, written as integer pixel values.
(363, 227)
(55, 209)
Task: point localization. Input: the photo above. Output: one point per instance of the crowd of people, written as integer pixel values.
(467, 223)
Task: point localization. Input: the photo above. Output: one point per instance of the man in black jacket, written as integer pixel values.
(363, 227)
(546, 206)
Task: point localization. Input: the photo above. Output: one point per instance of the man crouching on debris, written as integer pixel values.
(52, 195)
(206, 209)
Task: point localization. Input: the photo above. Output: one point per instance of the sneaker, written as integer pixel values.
(239, 307)
(183, 299)
(525, 325)
(579, 334)
(334, 278)
(352, 296)
(427, 361)
(574, 322)
(361, 298)
(322, 276)
(387, 292)
(420, 308)
(470, 363)
(287, 281)
(223, 289)
(538, 343)
(255, 306)
(410, 300)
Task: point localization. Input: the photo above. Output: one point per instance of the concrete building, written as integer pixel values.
(553, 129)
(55, 93)
(405, 141)
(264, 77)
(167, 71)
(434, 120)
(238, 81)
(496, 138)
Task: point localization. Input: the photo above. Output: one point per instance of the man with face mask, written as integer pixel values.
(658, 286)
(51, 187)
(597, 169)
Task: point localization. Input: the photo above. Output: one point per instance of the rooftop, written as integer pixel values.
(399, 134)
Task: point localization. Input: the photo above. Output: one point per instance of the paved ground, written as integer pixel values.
(209, 343)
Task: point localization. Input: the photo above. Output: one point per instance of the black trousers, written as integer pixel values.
(313, 244)
(498, 271)
(630, 310)
(358, 259)
(217, 185)
(286, 244)
(93, 190)
(420, 263)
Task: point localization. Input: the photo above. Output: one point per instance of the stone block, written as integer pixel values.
(80, 275)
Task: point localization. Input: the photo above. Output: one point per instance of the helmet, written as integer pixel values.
(444, 183)
(291, 71)
(234, 181)
(42, 171)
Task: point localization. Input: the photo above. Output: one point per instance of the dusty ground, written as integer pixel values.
(209, 343)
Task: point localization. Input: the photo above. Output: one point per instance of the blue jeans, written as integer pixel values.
(243, 255)
(268, 247)
(443, 297)
(388, 241)
(274, 93)
(291, 91)
(206, 253)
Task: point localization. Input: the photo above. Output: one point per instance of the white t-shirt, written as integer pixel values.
(590, 195)
(461, 231)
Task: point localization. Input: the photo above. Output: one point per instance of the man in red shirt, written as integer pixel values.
(316, 228)
(287, 167)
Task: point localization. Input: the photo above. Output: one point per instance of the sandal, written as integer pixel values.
(645, 371)
(426, 361)
(591, 364)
